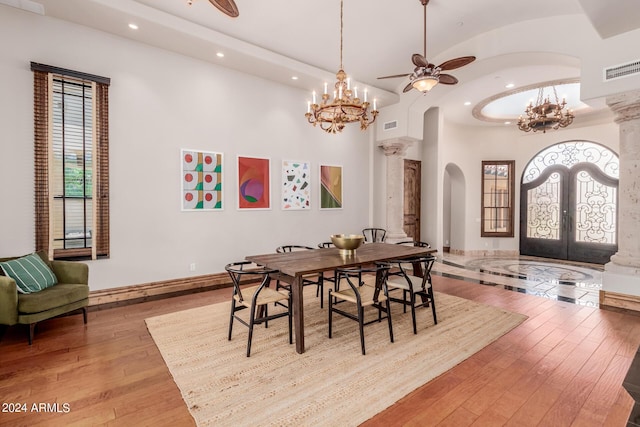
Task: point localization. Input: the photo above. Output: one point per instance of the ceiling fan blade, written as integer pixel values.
(447, 79)
(452, 64)
(407, 88)
(227, 7)
(394, 76)
(419, 60)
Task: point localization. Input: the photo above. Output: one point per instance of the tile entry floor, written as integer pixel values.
(573, 282)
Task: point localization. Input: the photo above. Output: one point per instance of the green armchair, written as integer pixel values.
(71, 293)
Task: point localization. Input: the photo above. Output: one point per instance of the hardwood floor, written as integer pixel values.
(563, 366)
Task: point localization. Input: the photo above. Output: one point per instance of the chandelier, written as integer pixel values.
(545, 114)
(333, 113)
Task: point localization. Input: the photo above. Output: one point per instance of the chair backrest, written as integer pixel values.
(356, 277)
(415, 243)
(291, 248)
(246, 271)
(423, 263)
(372, 235)
(326, 245)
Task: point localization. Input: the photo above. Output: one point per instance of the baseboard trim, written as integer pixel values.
(126, 295)
(616, 301)
(485, 253)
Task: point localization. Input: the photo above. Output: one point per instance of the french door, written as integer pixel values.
(570, 213)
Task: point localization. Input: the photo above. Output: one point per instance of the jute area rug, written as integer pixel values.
(330, 384)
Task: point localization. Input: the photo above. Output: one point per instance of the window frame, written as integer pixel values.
(510, 198)
(43, 134)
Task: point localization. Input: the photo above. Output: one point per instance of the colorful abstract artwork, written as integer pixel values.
(253, 183)
(201, 180)
(330, 187)
(296, 185)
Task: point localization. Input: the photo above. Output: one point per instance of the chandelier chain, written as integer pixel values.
(341, 28)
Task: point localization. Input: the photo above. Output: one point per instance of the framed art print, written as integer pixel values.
(330, 187)
(254, 183)
(201, 180)
(296, 185)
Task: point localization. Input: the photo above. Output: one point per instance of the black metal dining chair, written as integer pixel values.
(364, 287)
(311, 279)
(330, 277)
(372, 235)
(415, 243)
(413, 286)
(255, 298)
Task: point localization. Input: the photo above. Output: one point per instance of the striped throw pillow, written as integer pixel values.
(30, 273)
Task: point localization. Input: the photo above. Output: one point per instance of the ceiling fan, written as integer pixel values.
(228, 7)
(426, 75)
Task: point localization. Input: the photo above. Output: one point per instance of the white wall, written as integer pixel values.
(161, 102)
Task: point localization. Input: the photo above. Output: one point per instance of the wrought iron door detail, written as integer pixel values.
(595, 210)
(568, 203)
(543, 209)
(571, 153)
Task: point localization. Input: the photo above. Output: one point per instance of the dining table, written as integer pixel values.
(292, 266)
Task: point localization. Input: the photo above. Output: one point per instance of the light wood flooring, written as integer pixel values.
(563, 366)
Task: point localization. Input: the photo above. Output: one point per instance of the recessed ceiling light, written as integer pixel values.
(509, 85)
(133, 26)
(467, 103)
(507, 123)
(220, 55)
(294, 77)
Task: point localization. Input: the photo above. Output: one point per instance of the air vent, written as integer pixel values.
(622, 70)
(390, 125)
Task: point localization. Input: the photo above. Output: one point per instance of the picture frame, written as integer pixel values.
(296, 185)
(253, 183)
(201, 180)
(330, 194)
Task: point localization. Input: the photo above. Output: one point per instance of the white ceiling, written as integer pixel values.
(278, 39)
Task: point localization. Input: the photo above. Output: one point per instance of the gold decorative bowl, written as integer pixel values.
(347, 243)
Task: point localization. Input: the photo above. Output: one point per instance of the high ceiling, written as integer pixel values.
(279, 39)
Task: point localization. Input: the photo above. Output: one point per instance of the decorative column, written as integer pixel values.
(621, 279)
(395, 150)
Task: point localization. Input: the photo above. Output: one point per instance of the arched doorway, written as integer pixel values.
(569, 203)
(454, 208)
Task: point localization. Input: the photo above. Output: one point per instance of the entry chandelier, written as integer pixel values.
(333, 114)
(545, 114)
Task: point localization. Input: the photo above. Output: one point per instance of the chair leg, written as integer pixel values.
(84, 314)
(404, 301)
(330, 312)
(413, 313)
(251, 319)
(389, 319)
(3, 329)
(433, 306)
(32, 328)
(321, 289)
(361, 327)
(233, 309)
(290, 318)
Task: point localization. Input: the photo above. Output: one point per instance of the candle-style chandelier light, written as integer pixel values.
(545, 114)
(333, 113)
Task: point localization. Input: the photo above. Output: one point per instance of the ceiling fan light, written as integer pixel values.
(425, 83)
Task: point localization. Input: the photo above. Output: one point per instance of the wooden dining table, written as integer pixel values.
(294, 265)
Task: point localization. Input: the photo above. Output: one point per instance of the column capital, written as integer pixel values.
(626, 106)
(395, 147)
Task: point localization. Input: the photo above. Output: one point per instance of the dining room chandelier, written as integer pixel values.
(545, 114)
(342, 106)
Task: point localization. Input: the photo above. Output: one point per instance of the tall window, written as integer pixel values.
(497, 198)
(71, 163)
